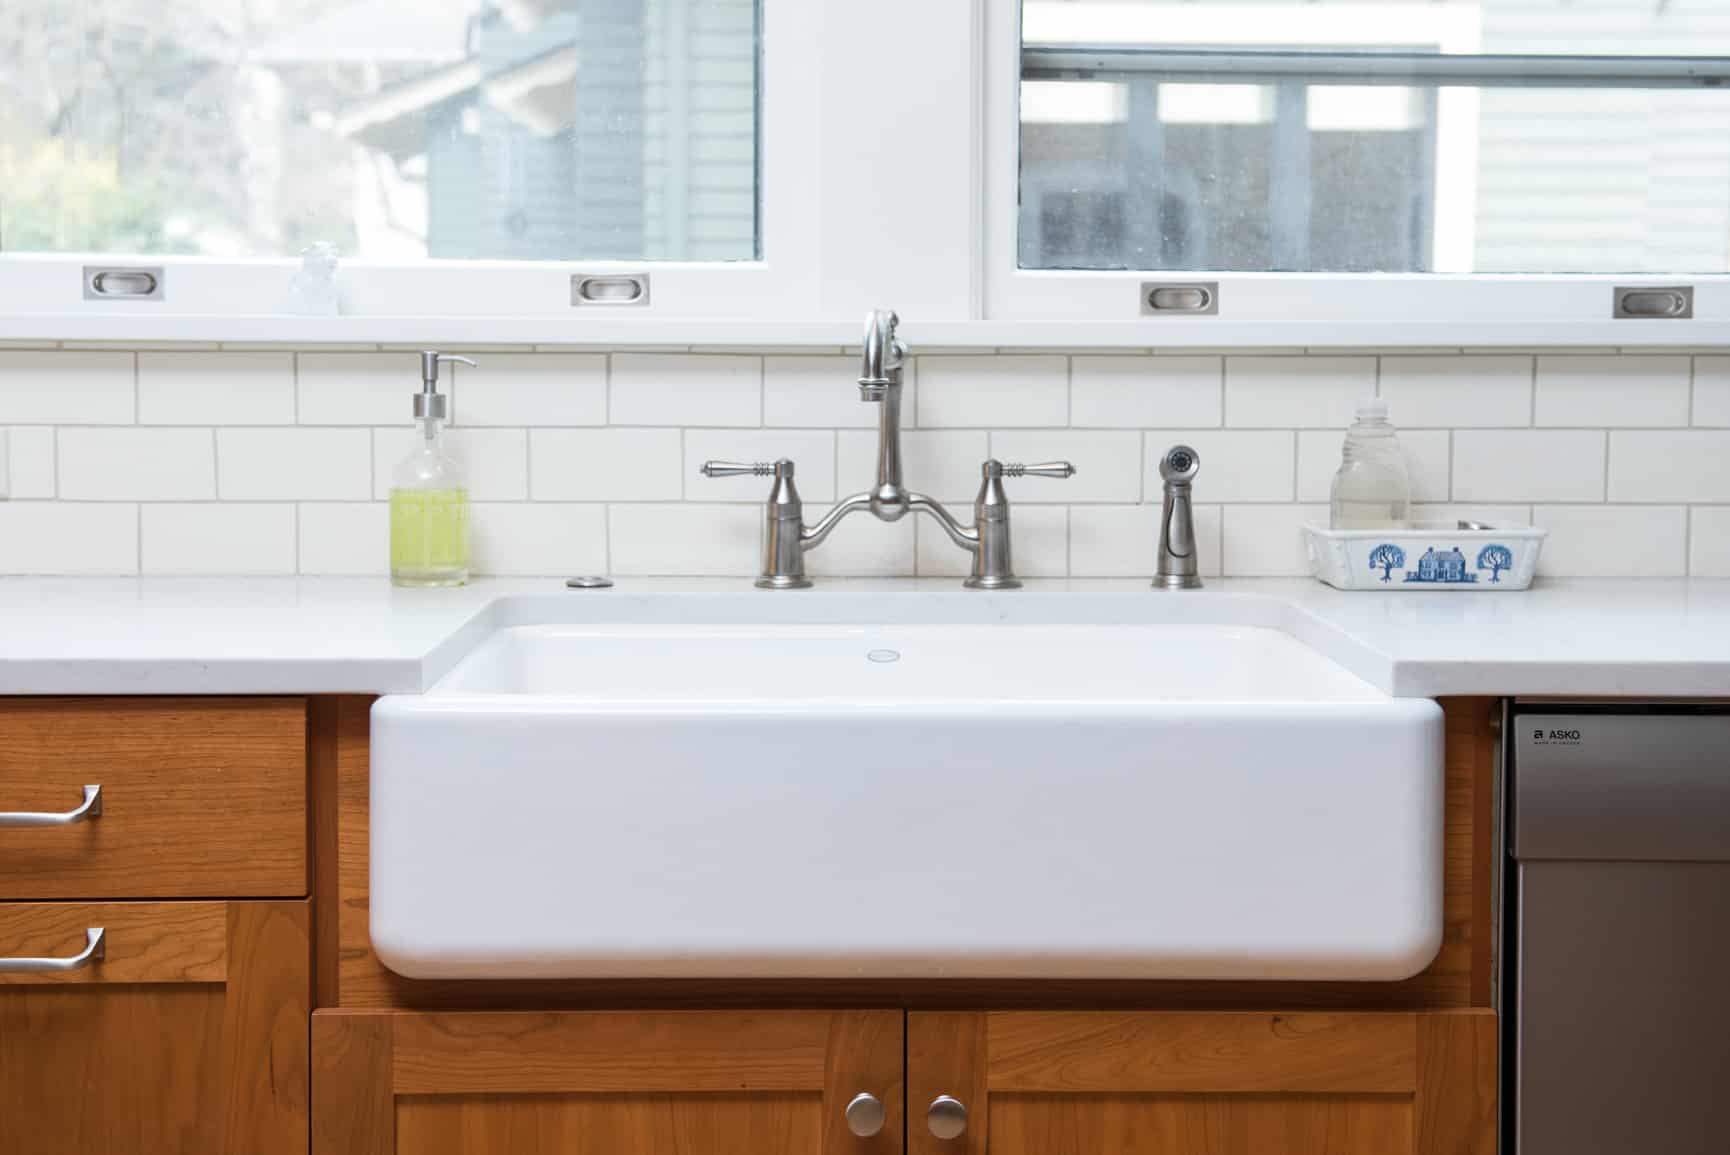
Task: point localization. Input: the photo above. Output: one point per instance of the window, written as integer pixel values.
(1343, 137)
(437, 145)
(394, 130)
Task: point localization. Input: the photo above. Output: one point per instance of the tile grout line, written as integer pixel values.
(1693, 386)
(1606, 434)
(1687, 541)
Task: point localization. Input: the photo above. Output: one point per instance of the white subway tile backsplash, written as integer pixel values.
(1528, 465)
(495, 461)
(1709, 541)
(605, 465)
(67, 388)
(1115, 540)
(1296, 392)
(988, 392)
(1497, 515)
(71, 539)
(944, 464)
(1457, 392)
(862, 546)
(358, 388)
(686, 540)
(1712, 391)
(229, 538)
(135, 464)
(344, 538)
(812, 452)
(528, 389)
(216, 388)
(1611, 391)
(1109, 541)
(1680, 465)
(294, 464)
(1039, 544)
(1039, 541)
(1427, 463)
(1107, 464)
(586, 460)
(823, 392)
(30, 454)
(1139, 392)
(663, 389)
(1613, 540)
(538, 539)
(1236, 465)
(1267, 540)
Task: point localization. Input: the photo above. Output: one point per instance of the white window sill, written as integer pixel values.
(638, 333)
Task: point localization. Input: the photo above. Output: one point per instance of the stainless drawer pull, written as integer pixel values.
(92, 808)
(92, 952)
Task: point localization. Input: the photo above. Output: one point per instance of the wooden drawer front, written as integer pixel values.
(1202, 1083)
(201, 797)
(188, 1037)
(603, 1083)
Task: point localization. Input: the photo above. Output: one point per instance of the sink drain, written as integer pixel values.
(883, 655)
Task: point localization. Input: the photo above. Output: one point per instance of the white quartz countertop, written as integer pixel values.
(1608, 637)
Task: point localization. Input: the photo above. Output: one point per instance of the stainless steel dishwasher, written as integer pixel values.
(1616, 972)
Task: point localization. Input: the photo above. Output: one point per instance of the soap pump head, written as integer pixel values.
(429, 403)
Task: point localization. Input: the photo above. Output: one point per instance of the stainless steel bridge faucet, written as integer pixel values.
(786, 538)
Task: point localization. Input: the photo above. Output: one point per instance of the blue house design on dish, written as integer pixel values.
(1442, 568)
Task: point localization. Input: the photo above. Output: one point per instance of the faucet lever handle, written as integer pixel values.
(1046, 469)
(737, 469)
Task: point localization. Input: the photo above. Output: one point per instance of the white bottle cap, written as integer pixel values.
(1372, 409)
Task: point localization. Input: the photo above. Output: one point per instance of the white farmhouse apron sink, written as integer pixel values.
(918, 798)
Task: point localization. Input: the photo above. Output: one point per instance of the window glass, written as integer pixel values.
(393, 129)
(1398, 135)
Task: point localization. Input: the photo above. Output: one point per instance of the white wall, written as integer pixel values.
(212, 461)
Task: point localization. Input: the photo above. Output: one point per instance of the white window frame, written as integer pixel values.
(1442, 308)
(889, 180)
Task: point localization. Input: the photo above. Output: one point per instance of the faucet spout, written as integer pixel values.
(880, 372)
(880, 365)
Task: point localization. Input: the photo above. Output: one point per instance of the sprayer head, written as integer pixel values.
(1179, 465)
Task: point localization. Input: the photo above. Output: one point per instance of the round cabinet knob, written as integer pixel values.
(947, 1117)
(865, 1115)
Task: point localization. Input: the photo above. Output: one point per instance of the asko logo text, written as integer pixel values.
(1544, 737)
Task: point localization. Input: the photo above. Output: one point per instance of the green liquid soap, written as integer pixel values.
(429, 537)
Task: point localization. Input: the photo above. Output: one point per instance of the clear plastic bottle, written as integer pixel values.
(429, 498)
(1373, 488)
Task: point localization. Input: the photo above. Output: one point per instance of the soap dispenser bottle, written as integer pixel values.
(1373, 488)
(429, 496)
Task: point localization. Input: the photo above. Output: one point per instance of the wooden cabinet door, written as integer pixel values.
(1181, 1083)
(187, 1037)
(603, 1083)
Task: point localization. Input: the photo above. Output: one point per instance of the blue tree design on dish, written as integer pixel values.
(1388, 557)
(1495, 558)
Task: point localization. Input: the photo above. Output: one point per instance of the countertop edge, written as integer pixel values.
(1584, 638)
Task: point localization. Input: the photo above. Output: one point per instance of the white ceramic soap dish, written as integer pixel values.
(1427, 555)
